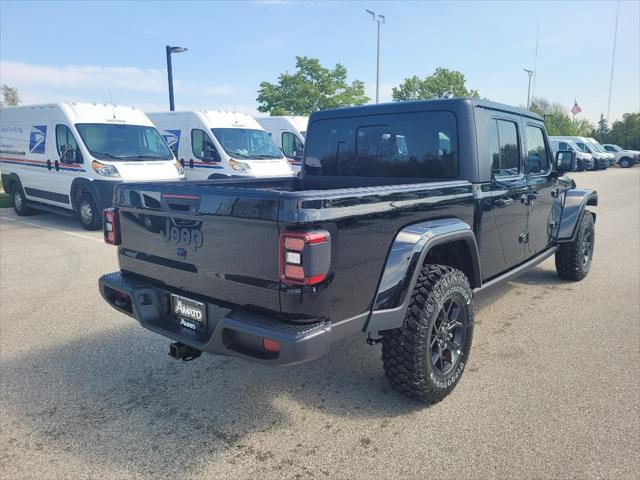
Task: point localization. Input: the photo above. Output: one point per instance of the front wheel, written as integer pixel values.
(625, 162)
(573, 259)
(425, 357)
(90, 217)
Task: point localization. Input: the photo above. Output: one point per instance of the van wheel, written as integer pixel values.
(625, 162)
(573, 259)
(425, 358)
(19, 201)
(88, 212)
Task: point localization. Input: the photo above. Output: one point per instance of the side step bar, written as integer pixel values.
(519, 270)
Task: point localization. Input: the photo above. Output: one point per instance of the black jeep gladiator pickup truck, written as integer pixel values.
(402, 212)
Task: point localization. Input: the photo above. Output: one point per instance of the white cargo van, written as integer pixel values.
(288, 133)
(584, 160)
(67, 157)
(214, 144)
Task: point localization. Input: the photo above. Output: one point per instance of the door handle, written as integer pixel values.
(504, 202)
(555, 192)
(191, 163)
(525, 199)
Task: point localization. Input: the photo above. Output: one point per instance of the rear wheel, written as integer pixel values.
(90, 217)
(425, 358)
(19, 201)
(573, 259)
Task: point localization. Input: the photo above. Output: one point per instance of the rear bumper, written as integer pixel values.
(234, 332)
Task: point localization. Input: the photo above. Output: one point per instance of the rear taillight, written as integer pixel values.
(305, 257)
(111, 226)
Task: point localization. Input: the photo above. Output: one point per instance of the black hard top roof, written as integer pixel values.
(454, 104)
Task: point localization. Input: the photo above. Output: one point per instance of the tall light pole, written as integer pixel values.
(530, 73)
(171, 50)
(378, 19)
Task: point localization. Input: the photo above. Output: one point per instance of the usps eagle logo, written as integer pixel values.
(37, 138)
(172, 137)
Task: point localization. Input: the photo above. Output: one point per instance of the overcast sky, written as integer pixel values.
(80, 51)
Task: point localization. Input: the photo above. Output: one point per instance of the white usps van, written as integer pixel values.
(288, 133)
(67, 157)
(214, 144)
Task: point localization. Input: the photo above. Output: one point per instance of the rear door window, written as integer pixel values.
(410, 145)
(504, 147)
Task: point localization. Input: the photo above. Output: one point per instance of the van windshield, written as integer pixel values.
(123, 142)
(247, 143)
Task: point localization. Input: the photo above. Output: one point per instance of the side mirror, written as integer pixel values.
(210, 155)
(565, 160)
(297, 155)
(69, 155)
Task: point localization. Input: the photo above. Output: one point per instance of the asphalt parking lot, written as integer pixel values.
(552, 389)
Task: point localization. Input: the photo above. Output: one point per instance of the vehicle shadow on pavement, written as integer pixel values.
(116, 397)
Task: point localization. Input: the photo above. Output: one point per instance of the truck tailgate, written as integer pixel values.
(218, 242)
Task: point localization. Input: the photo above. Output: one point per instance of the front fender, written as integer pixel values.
(406, 255)
(575, 203)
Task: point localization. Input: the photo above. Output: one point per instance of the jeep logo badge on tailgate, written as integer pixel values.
(190, 237)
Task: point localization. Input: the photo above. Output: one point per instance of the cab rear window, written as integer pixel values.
(416, 145)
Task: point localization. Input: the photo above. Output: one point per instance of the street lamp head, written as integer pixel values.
(177, 49)
(371, 13)
(530, 72)
(382, 17)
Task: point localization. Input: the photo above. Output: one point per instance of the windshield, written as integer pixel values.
(597, 146)
(616, 148)
(123, 142)
(247, 143)
(584, 148)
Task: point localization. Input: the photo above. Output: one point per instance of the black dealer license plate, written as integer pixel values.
(189, 313)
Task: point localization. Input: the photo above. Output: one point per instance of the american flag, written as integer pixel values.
(576, 108)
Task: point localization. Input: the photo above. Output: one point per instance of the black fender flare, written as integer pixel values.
(79, 185)
(575, 202)
(9, 179)
(404, 260)
(218, 176)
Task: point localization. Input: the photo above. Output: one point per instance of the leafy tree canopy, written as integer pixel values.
(10, 97)
(625, 132)
(312, 87)
(444, 83)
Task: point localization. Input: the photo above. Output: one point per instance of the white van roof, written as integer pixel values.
(213, 118)
(77, 112)
(297, 122)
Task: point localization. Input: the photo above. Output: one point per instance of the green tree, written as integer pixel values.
(602, 129)
(625, 132)
(312, 87)
(444, 83)
(10, 96)
(556, 118)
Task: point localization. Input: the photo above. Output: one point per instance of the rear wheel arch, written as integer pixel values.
(449, 242)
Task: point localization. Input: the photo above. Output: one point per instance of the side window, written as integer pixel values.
(201, 145)
(291, 145)
(504, 148)
(537, 155)
(66, 144)
(564, 146)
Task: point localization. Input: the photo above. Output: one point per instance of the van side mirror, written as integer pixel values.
(297, 155)
(565, 160)
(210, 154)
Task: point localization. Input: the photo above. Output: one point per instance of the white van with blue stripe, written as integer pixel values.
(67, 157)
(213, 144)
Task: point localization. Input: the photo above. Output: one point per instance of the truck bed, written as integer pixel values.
(219, 239)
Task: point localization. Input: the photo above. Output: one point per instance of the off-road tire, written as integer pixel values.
(573, 259)
(20, 201)
(88, 213)
(407, 351)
